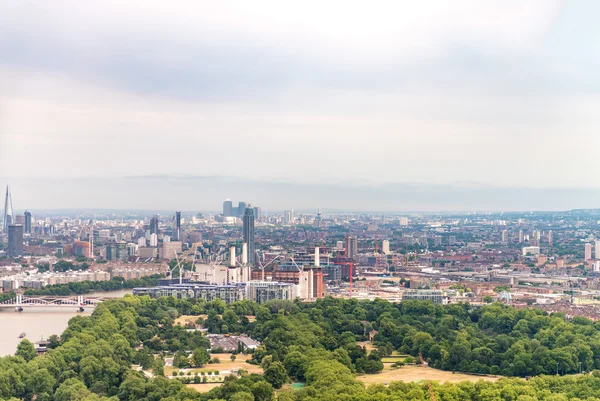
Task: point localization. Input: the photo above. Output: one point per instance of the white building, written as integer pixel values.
(385, 247)
(533, 250)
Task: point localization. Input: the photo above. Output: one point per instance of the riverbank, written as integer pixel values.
(41, 322)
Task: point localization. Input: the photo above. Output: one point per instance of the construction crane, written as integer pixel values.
(262, 267)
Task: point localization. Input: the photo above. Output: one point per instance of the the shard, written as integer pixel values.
(8, 211)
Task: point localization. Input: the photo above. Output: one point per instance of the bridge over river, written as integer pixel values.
(80, 302)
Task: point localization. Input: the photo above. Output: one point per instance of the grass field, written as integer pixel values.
(418, 373)
(203, 388)
(185, 319)
(225, 365)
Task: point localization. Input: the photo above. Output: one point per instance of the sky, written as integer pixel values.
(491, 93)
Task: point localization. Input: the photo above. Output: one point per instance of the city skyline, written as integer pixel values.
(196, 193)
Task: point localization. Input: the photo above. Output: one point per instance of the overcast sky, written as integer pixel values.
(492, 92)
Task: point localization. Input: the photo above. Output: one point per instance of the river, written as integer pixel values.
(40, 322)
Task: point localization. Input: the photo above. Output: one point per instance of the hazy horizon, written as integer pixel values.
(197, 193)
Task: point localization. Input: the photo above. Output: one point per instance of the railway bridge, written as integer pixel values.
(19, 302)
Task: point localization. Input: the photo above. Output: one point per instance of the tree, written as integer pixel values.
(201, 357)
(276, 374)
(26, 349)
(158, 367)
(180, 360)
(242, 396)
(262, 391)
(71, 390)
(232, 357)
(488, 299)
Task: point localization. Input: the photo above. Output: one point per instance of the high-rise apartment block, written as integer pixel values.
(588, 252)
(351, 246)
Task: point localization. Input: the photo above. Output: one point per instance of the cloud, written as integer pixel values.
(432, 92)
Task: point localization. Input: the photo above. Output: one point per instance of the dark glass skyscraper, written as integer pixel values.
(249, 234)
(27, 222)
(177, 227)
(154, 225)
(15, 240)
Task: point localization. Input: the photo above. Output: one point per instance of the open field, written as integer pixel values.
(185, 319)
(203, 388)
(418, 373)
(225, 365)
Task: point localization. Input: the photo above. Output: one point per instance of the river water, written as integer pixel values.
(40, 322)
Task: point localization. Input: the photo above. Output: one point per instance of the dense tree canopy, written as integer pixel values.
(316, 343)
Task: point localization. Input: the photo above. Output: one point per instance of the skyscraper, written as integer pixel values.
(351, 246)
(27, 222)
(249, 233)
(257, 213)
(15, 240)
(154, 225)
(228, 208)
(8, 211)
(241, 209)
(177, 227)
(588, 251)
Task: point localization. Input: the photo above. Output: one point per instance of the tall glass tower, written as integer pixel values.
(249, 234)
(8, 211)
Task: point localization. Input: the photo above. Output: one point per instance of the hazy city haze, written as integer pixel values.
(342, 94)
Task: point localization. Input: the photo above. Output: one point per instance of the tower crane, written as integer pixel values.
(262, 267)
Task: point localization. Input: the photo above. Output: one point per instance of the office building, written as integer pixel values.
(588, 252)
(228, 208)
(257, 213)
(27, 222)
(248, 232)
(168, 250)
(403, 221)
(15, 240)
(351, 246)
(154, 225)
(288, 216)
(177, 227)
(241, 209)
(20, 220)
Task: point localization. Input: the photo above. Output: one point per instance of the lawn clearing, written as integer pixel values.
(418, 373)
(204, 388)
